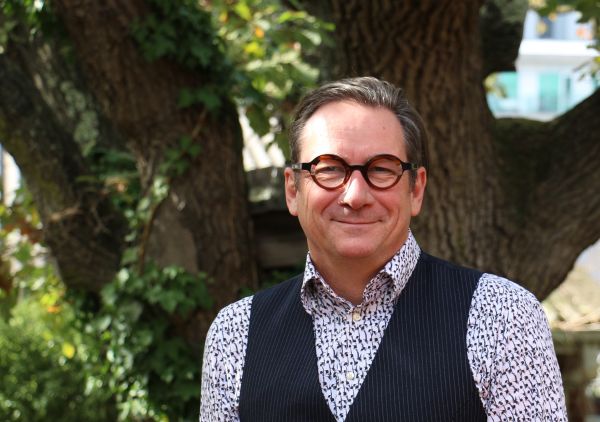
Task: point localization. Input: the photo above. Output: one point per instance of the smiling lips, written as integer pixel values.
(355, 222)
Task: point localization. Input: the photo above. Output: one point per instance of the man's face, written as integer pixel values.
(354, 222)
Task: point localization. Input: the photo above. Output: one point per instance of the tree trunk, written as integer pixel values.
(204, 223)
(81, 226)
(478, 211)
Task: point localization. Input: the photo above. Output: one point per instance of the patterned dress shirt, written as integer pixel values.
(509, 345)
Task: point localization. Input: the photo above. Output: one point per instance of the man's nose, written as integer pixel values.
(357, 192)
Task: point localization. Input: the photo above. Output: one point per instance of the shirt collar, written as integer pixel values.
(398, 269)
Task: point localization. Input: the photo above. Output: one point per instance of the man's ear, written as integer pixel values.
(291, 191)
(418, 191)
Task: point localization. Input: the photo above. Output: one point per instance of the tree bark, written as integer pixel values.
(551, 189)
(38, 125)
(501, 26)
(206, 208)
(81, 227)
(478, 211)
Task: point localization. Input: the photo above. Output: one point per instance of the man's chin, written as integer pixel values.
(359, 251)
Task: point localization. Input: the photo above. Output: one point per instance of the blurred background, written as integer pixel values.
(142, 152)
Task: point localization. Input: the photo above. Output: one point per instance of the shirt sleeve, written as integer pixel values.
(511, 354)
(223, 362)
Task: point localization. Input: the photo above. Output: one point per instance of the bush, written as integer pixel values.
(43, 367)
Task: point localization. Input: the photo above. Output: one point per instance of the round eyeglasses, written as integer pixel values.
(331, 172)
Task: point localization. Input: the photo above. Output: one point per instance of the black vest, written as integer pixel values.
(420, 371)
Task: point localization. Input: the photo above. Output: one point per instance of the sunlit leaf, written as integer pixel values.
(68, 350)
(242, 9)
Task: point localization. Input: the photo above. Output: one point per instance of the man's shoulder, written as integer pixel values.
(504, 303)
(236, 308)
(501, 288)
(232, 318)
(227, 336)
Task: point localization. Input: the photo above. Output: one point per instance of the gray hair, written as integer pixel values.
(367, 91)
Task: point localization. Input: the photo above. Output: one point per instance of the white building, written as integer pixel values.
(553, 69)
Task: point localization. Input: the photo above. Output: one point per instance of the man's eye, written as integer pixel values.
(381, 170)
(327, 169)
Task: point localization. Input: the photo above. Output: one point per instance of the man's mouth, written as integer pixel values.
(356, 222)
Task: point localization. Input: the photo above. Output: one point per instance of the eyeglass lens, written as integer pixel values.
(333, 172)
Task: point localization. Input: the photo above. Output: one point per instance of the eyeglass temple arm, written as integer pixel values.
(300, 166)
(409, 166)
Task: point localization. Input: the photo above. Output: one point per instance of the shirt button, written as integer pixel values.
(349, 376)
(356, 315)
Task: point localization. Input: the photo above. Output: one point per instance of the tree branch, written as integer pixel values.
(551, 190)
(501, 26)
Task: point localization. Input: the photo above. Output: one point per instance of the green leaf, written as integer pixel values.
(23, 252)
(243, 11)
(255, 49)
(186, 98)
(291, 16)
(313, 36)
(203, 296)
(130, 256)
(185, 142)
(132, 310)
(258, 120)
(201, 53)
(103, 323)
(208, 98)
(145, 337)
(169, 300)
(194, 150)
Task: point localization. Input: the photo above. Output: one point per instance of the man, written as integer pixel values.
(375, 329)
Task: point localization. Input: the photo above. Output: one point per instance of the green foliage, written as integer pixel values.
(170, 289)
(116, 171)
(268, 44)
(50, 370)
(256, 57)
(152, 373)
(21, 20)
(177, 160)
(182, 32)
(47, 371)
(20, 237)
(208, 96)
(70, 356)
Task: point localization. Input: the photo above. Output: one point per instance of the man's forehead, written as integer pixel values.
(348, 121)
(350, 115)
